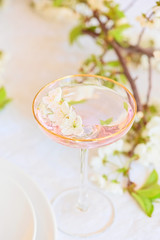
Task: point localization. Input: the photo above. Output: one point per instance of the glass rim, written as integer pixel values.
(81, 139)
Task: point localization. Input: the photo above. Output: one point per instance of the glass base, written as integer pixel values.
(75, 222)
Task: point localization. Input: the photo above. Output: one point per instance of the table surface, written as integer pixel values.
(38, 53)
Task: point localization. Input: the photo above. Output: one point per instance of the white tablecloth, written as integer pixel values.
(39, 52)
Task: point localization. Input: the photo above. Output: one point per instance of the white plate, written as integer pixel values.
(17, 218)
(46, 227)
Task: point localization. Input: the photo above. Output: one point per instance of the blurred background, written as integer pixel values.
(37, 51)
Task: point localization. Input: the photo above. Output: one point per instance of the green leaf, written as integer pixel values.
(57, 3)
(3, 98)
(117, 32)
(144, 203)
(152, 192)
(125, 105)
(113, 63)
(158, 3)
(106, 122)
(91, 28)
(152, 179)
(1, 3)
(3, 94)
(114, 181)
(153, 109)
(104, 160)
(114, 12)
(76, 102)
(75, 33)
(105, 177)
(123, 170)
(109, 84)
(123, 78)
(4, 103)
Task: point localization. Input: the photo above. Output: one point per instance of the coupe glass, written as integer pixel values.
(107, 110)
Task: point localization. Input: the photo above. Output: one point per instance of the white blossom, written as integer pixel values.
(139, 116)
(55, 109)
(153, 127)
(43, 110)
(99, 5)
(59, 113)
(114, 167)
(53, 98)
(144, 22)
(110, 149)
(138, 173)
(156, 54)
(115, 188)
(101, 182)
(72, 125)
(148, 154)
(96, 163)
(98, 180)
(144, 61)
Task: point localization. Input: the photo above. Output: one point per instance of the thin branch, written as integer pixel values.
(127, 74)
(91, 33)
(143, 29)
(140, 36)
(102, 25)
(149, 81)
(129, 5)
(138, 49)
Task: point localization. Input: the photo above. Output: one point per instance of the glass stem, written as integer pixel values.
(83, 193)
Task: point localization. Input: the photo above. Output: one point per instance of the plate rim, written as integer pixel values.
(16, 171)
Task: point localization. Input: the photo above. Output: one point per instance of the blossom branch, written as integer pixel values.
(143, 29)
(127, 74)
(138, 49)
(140, 36)
(129, 5)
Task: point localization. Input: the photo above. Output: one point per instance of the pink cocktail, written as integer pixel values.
(84, 111)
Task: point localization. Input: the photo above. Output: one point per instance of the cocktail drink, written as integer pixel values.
(84, 111)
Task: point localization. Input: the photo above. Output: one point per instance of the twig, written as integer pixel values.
(127, 74)
(129, 5)
(149, 81)
(140, 36)
(123, 63)
(138, 49)
(91, 33)
(143, 29)
(102, 25)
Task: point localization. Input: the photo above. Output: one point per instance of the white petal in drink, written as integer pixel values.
(72, 125)
(59, 113)
(43, 110)
(54, 97)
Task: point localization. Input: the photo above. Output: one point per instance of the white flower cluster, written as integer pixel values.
(113, 171)
(110, 168)
(154, 22)
(59, 113)
(96, 5)
(147, 41)
(148, 154)
(154, 61)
